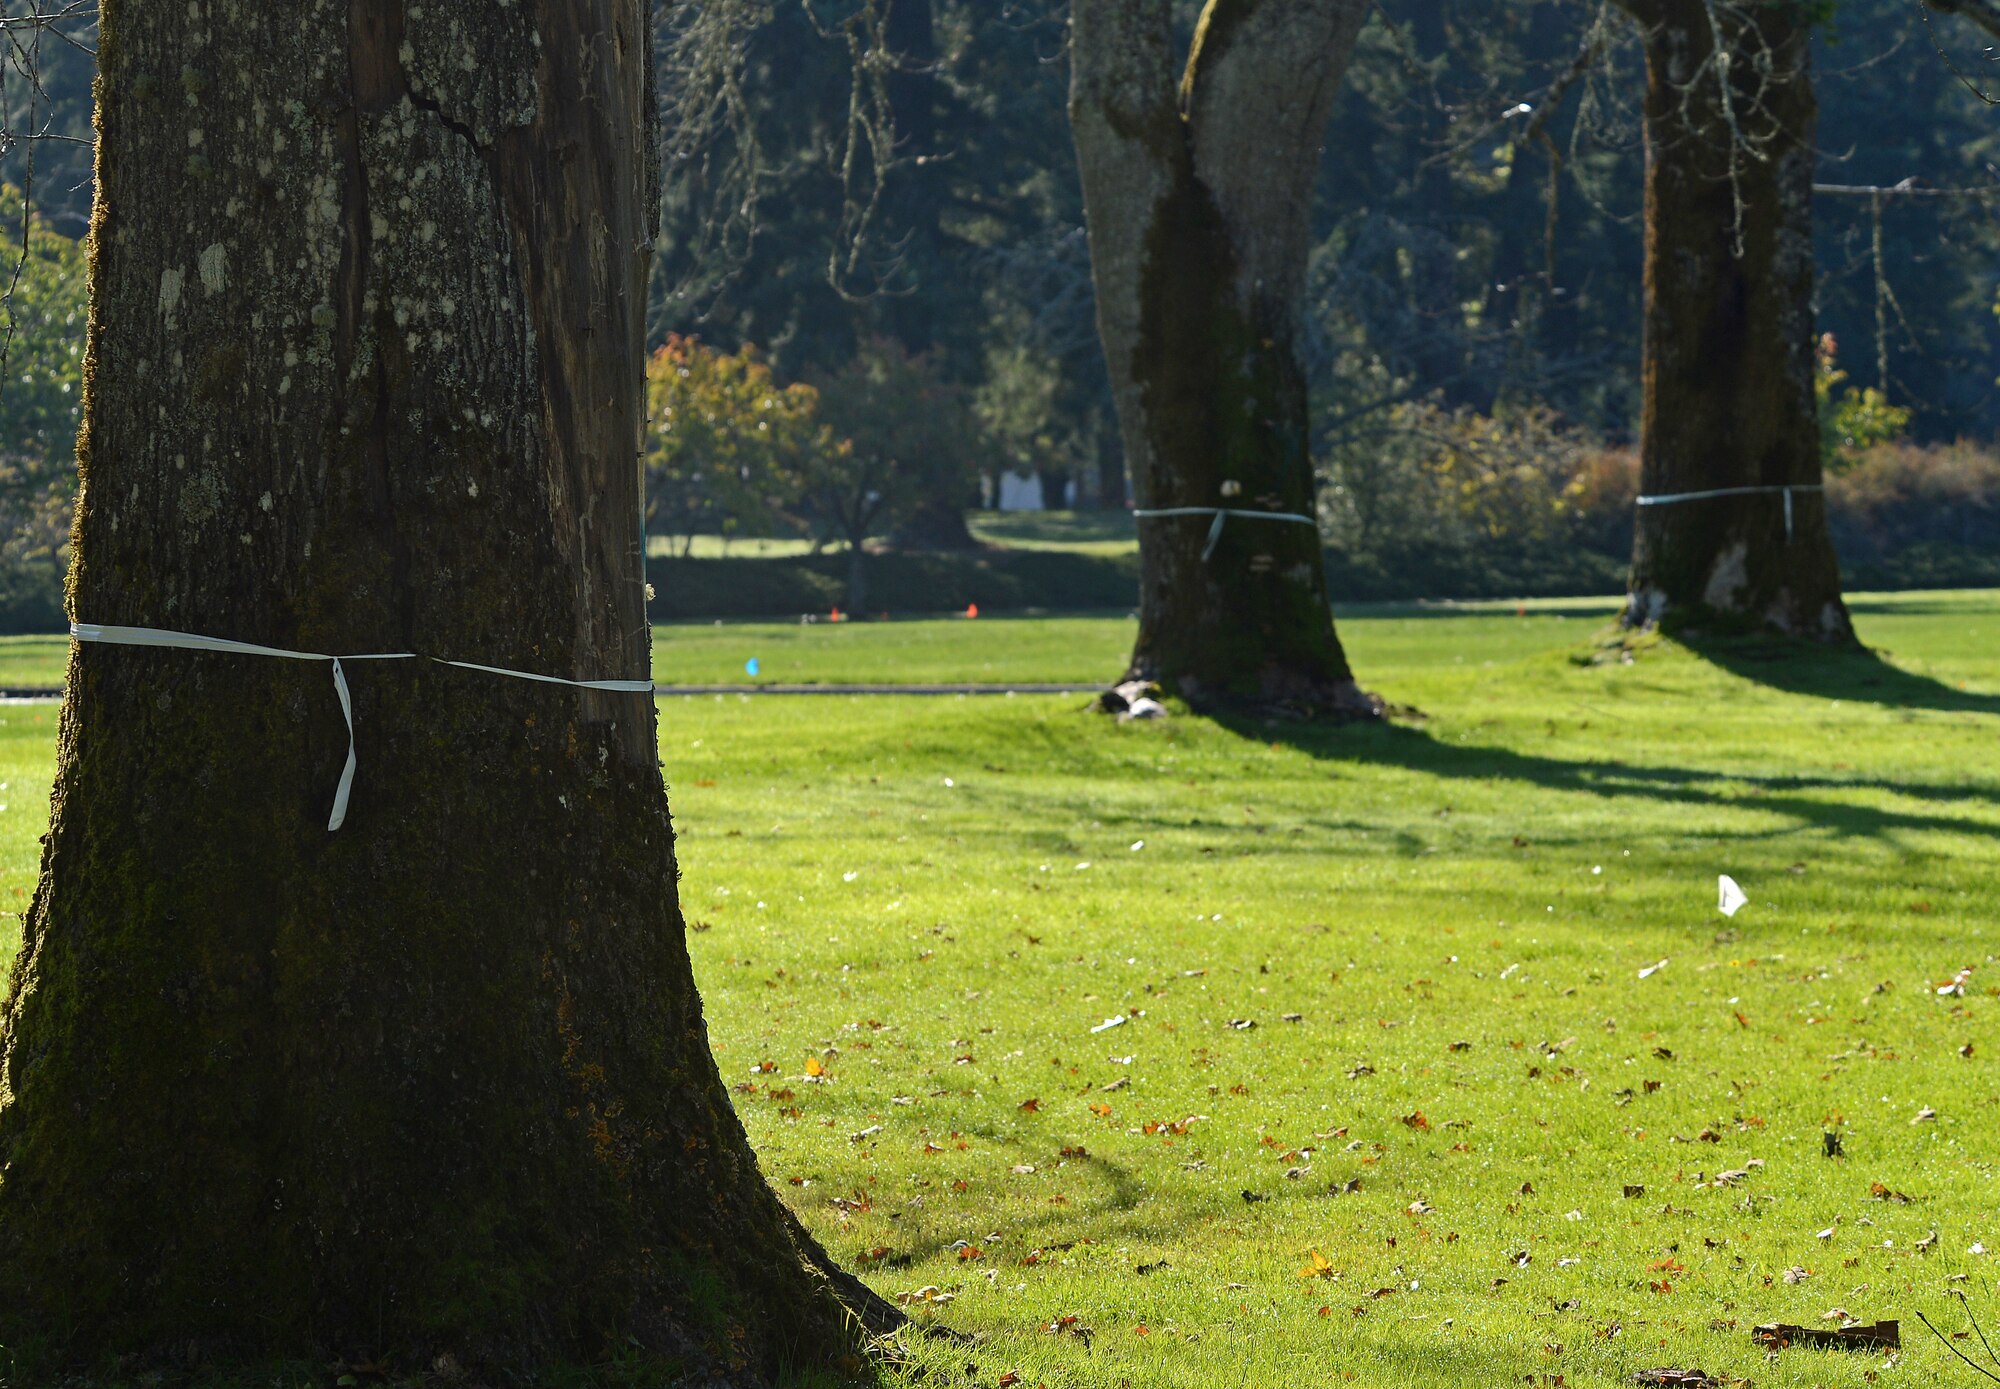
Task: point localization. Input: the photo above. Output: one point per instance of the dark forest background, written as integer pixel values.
(874, 207)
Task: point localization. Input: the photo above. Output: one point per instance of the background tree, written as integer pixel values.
(40, 402)
(897, 437)
(1729, 402)
(725, 442)
(364, 375)
(1199, 197)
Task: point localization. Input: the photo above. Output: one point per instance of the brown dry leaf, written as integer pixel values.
(1031, 1106)
(1417, 1120)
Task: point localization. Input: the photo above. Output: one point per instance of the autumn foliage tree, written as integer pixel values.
(726, 445)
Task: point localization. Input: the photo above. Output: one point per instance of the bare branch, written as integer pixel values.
(1984, 13)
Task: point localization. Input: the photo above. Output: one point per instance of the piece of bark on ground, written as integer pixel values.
(1858, 1337)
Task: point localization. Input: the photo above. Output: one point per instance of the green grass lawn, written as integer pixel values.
(1086, 532)
(1505, 1139)
(993, 649)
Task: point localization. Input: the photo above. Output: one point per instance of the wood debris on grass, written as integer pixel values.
(1872, 1336)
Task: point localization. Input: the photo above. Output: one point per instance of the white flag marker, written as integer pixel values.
(1729, 897)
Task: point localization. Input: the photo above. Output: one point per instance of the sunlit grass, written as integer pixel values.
(1438, 930)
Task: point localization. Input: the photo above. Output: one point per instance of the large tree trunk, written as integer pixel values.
(365, 351)
(1198, 196)
(1729, 324)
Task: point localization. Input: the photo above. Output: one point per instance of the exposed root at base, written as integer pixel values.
(1281, 697)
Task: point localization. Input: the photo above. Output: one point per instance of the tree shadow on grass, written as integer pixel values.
(1855, 675)
(1612, 780)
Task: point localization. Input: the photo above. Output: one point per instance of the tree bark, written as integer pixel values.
(365, 357)
(1198, 199)
(1728, 373)
(857, 580)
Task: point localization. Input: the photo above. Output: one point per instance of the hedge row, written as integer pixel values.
(1054, 581)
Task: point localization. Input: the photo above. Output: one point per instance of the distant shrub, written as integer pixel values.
(1905, 515)
(1436, 503)
(1851, 421)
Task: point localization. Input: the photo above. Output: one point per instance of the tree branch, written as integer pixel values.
(1984, 13)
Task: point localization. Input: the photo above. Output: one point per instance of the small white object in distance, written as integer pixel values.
(1730, 898)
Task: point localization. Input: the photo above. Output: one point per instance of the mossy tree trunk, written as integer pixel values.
(1197, 181)
(1729, 345)
(364, 374)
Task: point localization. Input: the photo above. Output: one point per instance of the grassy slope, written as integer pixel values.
(1370, 881)
(994, 649)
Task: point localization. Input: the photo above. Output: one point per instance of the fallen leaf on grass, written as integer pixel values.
(1677, 1379)
(1319, 1266)
(1417, 1120)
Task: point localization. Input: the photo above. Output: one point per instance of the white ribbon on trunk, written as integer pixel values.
(1667, 498)
(189, 641)
(1221, 514)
